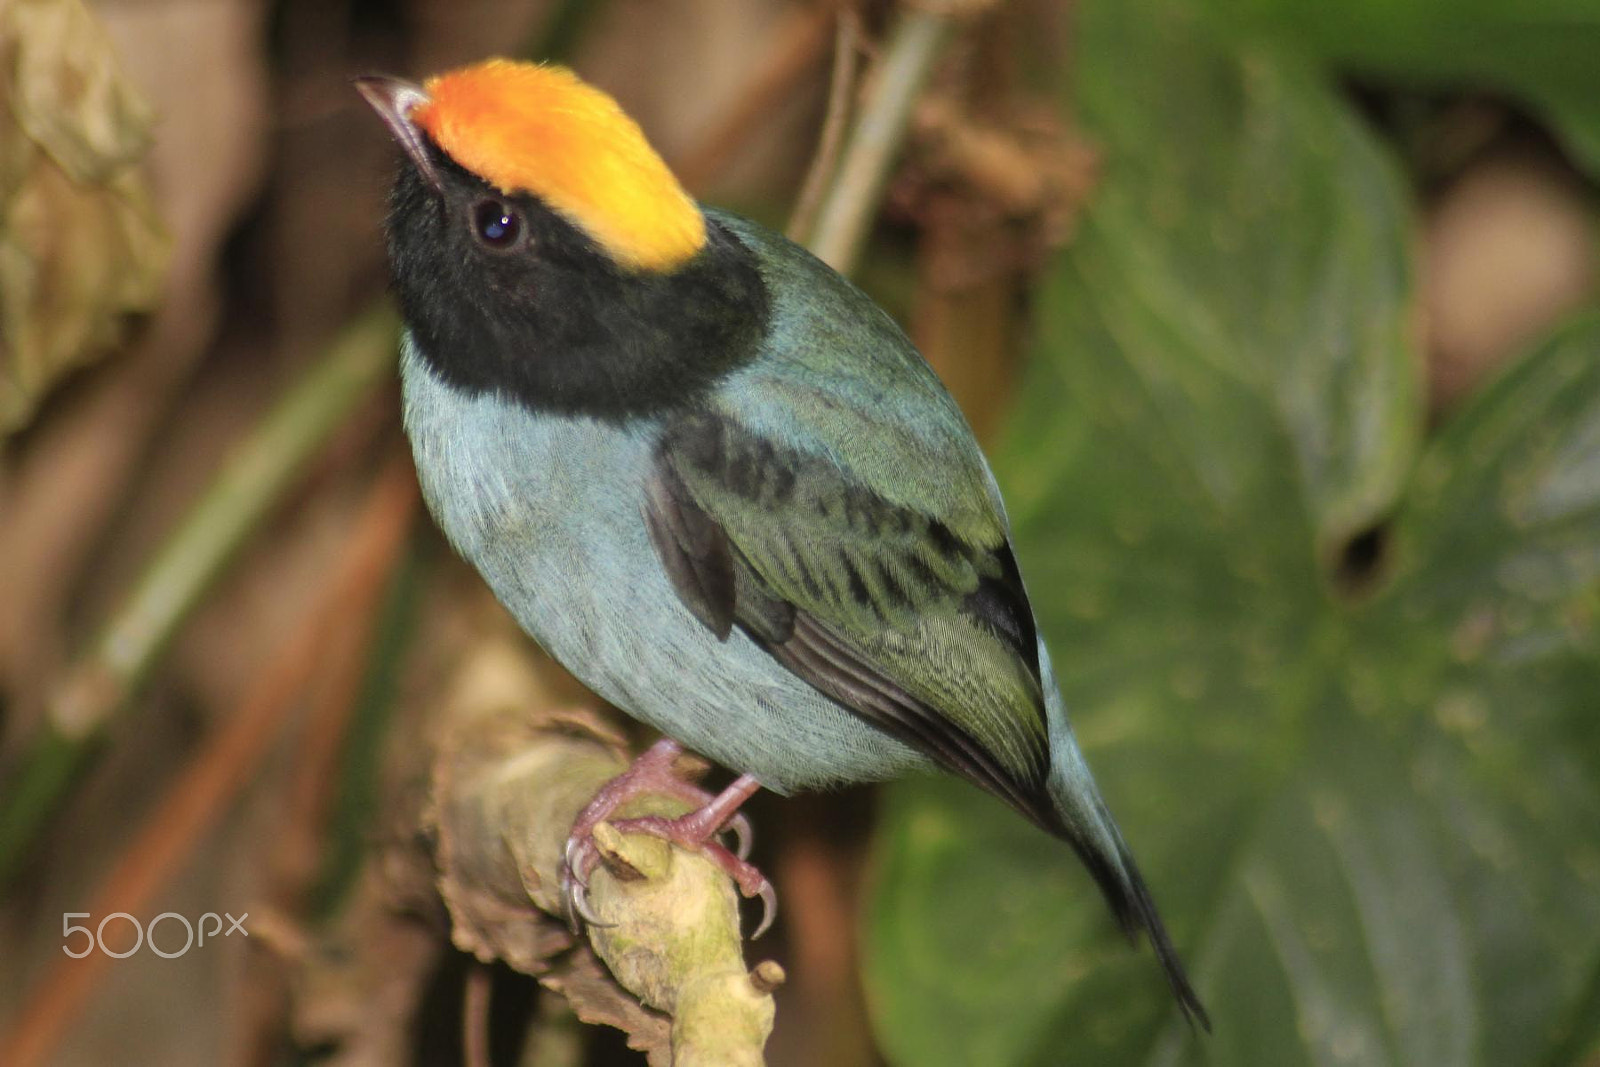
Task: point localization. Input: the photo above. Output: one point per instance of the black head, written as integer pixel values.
(504, 294)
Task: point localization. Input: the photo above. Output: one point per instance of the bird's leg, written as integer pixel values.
(653, 772)
(696, 830)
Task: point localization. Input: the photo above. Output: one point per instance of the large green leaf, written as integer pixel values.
(1542, 51)
(1244, 214)
(1494, 625)
(1371, 817)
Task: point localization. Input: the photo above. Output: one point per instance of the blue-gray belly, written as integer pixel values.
(548, 510)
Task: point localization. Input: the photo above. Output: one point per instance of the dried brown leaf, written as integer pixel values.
(67, 92)
(596, 998)
(80, 245)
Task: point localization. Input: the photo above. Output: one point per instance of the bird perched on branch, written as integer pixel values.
(713, 479)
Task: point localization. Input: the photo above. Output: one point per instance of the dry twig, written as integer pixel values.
(893, 87)
(841, 91)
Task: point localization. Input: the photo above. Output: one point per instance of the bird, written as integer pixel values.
(714, 480)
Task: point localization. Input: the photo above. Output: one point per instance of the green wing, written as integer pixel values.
(921, 630)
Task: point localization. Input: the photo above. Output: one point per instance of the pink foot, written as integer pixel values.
(714, 813)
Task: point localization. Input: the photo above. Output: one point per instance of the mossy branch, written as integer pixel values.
(506, 786)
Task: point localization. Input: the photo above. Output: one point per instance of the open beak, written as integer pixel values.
(393, 99)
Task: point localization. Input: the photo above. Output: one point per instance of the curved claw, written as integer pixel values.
(568, 911)
(577, 856)
(769, 909)
(743, 835)
(569, 867)
(578, 901)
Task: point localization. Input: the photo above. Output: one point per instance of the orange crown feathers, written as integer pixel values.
(525, 128)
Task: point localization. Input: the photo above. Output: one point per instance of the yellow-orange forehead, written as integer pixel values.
(525, 128)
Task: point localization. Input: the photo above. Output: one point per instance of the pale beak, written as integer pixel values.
(393, 99)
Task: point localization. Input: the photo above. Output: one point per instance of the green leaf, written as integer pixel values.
(1500, 524)
(1244, 213)
(1541, 51)
(1500, 543)
(1368, 814)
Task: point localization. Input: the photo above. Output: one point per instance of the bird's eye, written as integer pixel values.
(495, 224)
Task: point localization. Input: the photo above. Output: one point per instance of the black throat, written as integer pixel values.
(555, 324)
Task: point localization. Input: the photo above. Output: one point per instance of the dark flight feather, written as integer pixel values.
(827, 588)
(694, 550)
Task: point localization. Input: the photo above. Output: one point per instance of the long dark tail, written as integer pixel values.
(1106, 855)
